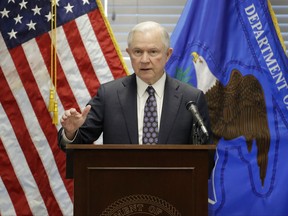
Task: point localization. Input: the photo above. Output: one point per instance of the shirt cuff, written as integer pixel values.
(66, 140)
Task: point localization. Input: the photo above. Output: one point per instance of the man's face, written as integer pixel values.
(148, 55)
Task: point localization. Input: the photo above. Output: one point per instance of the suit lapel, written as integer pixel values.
(128, 101)
(170, 108)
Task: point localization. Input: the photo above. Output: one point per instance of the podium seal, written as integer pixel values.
(141, 204)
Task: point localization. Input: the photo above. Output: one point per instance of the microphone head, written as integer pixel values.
(189, 103)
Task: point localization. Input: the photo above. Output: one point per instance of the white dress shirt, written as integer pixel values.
(142, 96)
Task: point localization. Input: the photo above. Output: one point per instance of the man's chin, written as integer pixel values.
(147, 79)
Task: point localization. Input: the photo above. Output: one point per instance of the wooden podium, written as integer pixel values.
(119, 180)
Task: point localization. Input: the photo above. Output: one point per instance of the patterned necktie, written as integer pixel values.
(150, 126)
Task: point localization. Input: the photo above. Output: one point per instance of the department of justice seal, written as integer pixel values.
(140, 204)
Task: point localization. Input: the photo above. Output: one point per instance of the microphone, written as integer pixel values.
(191, 106)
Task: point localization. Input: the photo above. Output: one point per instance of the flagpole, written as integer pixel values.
(53, 104)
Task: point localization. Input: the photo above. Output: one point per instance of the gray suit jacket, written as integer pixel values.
(114, 112)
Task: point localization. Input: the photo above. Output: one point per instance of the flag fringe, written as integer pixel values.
(109, 29)
(276, 25)
(55, 113)
(51, 100)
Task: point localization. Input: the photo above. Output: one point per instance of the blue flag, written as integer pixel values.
(234, 53)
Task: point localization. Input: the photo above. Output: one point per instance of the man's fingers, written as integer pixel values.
(73, 111)
(68, 113)
(86, 111)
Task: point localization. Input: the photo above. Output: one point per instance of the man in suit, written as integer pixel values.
(118, 108)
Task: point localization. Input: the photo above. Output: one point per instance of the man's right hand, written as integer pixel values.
(72, 120)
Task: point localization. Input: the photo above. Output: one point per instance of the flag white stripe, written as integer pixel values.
(20, 166)
(95, 53)
(71, 69)
(39, 70)
(31, 51)
(6, 205)
(7, 64)
(40, 73)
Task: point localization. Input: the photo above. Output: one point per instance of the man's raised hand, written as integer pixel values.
(72, 120)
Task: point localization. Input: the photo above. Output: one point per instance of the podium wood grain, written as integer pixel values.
(120, 180)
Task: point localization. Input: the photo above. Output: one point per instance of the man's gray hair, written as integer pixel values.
(147, 26)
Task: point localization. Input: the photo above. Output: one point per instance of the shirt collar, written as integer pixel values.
(158, 86)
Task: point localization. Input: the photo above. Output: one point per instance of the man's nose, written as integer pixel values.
(145, 57)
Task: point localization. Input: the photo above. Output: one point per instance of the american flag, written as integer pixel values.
(32, 168)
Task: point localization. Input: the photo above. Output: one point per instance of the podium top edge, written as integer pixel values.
(136, 146)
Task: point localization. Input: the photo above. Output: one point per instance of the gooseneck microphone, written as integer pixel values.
(191, 106)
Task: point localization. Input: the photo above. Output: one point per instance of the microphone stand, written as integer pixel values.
(197, 135)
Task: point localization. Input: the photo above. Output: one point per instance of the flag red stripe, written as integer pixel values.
(81, 57)
(44, 119)
(12, 184)
(6, 169)
(64, 90)
(106, 43)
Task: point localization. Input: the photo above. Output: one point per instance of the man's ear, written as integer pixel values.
(169, 53)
